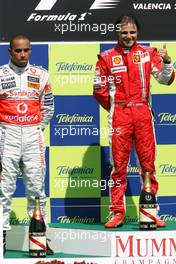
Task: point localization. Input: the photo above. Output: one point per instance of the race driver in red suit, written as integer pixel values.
(122, 86)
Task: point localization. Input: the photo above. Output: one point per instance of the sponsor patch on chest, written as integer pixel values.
(140, 57)
(8, 85)
(33, 85)
(117, 60)
(33, 82)
(119, 69)
(33, 79)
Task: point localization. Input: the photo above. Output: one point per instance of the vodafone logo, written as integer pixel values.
(33, 70)
(22, 108)
(97, 4)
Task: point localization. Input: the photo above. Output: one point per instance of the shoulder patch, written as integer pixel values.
(143, 47)
(108, 52)
(37, 70)
(39, 67)
(4, 69)
(147, 48)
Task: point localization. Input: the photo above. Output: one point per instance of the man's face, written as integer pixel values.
(127, 35)
(20, 52)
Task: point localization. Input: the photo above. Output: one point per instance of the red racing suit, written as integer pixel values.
(122, 86)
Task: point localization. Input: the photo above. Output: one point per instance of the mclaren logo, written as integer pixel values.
(97, 4)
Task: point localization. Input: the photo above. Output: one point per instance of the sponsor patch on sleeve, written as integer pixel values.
(97, 71)
(47, 88)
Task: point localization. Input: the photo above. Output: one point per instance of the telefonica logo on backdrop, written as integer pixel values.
(166, 118)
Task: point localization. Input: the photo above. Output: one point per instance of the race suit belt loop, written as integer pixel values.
(130, 104)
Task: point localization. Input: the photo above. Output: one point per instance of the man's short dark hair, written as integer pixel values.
(128, 19)
(17, 36)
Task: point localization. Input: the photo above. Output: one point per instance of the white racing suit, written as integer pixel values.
(26, 107)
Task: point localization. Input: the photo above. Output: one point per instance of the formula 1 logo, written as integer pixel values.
(103, 4)
(97, 4)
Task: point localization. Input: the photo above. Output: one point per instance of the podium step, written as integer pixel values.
(83, 239)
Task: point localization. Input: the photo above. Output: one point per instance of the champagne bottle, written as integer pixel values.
(37, 233)
(4, 242)
(147, 205)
